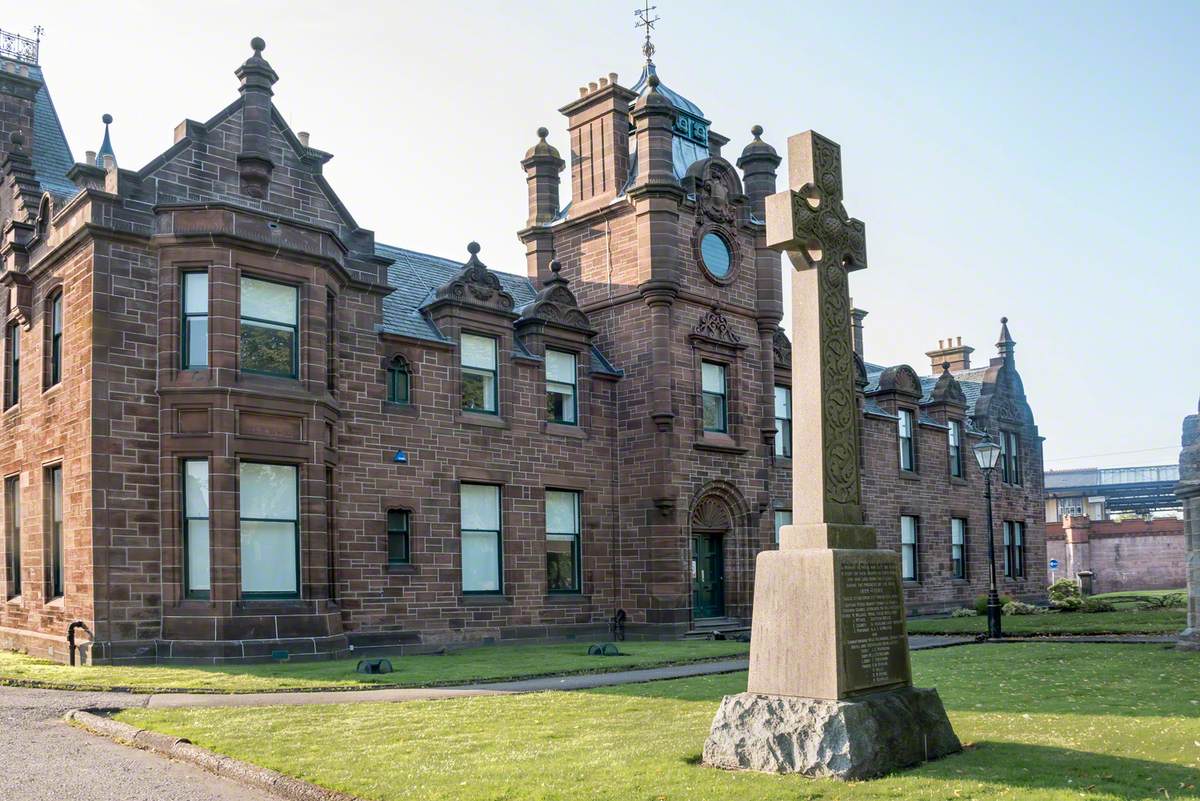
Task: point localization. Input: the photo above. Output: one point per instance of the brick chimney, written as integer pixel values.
(950, 350)
(598, 125)
(856, 328)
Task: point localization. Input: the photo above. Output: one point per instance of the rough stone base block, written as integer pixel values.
(856, 739)
(1189, 640)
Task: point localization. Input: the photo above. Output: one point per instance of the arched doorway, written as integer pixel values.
(711, 528)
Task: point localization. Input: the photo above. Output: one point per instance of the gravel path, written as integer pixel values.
(44, 759)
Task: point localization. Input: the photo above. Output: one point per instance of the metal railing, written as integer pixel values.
(21, 48)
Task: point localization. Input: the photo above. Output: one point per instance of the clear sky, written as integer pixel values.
(1030, 159)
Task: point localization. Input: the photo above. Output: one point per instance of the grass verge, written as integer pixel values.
(1122, 621)
(485, 663)
(1041, 721)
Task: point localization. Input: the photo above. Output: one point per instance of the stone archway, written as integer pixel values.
(719, 525)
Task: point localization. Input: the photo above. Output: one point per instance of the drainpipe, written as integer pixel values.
(78, 624)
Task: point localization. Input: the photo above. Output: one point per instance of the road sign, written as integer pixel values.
(1054, 564)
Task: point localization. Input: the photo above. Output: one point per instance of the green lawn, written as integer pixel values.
(1040, 720)
(1123, 621)
(485, 663)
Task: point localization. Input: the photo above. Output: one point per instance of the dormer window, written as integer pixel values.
(399, 381)
(561, 405)
(478, 354)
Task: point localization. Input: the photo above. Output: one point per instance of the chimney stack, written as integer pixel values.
(950, 350)
(856, 329)
(598, 126)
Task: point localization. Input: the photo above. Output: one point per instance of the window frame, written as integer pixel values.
(906, 444)
(783, 425)
(913, 547)
(779, 524)
(186, 519)
(499, 533)
(406, 532)
(954, 448)
(464, 370)
(295, 327)
(573, 387)
(56, 305)
(1010, 456)
(1014, 549)
(269, 595)
(57, 572)
(722, 396)
(331, 342)
(12, 534)
(958, 564)
(576, 542)
(185, 316)
(396, 367)
(12, 364)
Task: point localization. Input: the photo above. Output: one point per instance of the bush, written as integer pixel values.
(1093, 605)
(1018, 608)
(964, 612)
(1170, 600)
(981, 603)
(1064, 594)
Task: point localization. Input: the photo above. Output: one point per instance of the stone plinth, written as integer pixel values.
(1188, 491)
(859, 739)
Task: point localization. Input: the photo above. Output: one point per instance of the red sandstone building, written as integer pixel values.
(235, 424)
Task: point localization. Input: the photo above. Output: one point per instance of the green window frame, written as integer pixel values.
(561, 401)
(56, 331)
(12, 533)
(783, 421)
(482, 539)
(197, 570)
(331, 342)
(713, 397)
(54, 515)
(193, 304)
(904, 425)
(12, 365)
(1010, 457)
(269, 328)
(783, 517)
(958, 547)
(478, 360)
(954, 447)
(269, 529)
(1014, 549)
(909, 533)
(399, 381)
(398, 537)
(563, 551)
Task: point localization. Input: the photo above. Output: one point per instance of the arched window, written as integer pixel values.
(399, 381)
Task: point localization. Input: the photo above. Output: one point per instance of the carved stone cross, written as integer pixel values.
(823, 243)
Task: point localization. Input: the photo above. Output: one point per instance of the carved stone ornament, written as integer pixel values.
(902, 380)
(783, 349)
(556, 304)
(714, 327)
(711, 514)
(476, 284)
(718, 191)
(947, 389)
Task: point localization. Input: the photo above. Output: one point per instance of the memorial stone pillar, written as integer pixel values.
(1188, 491)
(830, 687)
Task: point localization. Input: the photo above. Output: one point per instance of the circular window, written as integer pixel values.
(714, 250)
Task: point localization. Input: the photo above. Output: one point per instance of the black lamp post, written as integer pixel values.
(987, 453)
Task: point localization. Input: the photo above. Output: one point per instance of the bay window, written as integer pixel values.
(196, 573)
(270, 328)
(270, 530)
(195, 321)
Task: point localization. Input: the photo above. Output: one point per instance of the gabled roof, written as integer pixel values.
(51, 155)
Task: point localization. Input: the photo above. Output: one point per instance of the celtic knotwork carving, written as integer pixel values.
(783, 349)
(713, 326)
(839, 410)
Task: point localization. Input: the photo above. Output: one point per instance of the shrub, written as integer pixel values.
(981, 603)
(1064, 594)
(1092, 605)
(1019, 608)
(964, 612)
(1170, 600)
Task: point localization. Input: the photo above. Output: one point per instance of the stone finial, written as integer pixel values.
(17, 139)
(947, 389)
(106, 149)
(758, 149)
(556, 305)
(1006, 346)
(543, 149)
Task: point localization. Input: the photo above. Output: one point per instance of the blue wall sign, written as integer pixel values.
(401, 457)
(1054, 564)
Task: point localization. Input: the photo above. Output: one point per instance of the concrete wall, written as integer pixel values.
(1122, 555)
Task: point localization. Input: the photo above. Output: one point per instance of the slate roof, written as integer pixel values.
(971, 382)
(415, 278)
(51, 155)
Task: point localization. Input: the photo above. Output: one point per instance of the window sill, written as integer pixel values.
(783, 462)
(407, 409)
(566, 598)
(481, 419)
(56, 603)
(959, 481)
(401, 569)
(564, 430)
(14, 409)
(484, 599)
(16, 600)
(720, 443)
(910, 475)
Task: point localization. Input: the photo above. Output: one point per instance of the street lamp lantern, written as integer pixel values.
(987, 453)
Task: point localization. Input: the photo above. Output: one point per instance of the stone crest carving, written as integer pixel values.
(714, 327)
(556, 304)
(718, 191)
(783, 349)
(476, 284)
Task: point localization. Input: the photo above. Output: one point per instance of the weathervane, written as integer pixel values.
(646, 20)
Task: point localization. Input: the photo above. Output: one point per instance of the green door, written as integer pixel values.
(708, 576)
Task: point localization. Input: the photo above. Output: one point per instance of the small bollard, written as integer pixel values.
(374, 666)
